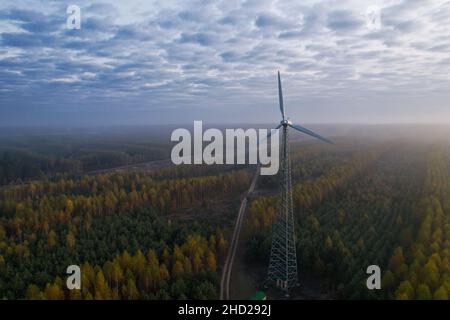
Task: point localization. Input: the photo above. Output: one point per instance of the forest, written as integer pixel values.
(37, 154)
(120, 229)
(387, 206)
(164, 234)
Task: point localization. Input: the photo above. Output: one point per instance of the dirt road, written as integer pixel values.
(228, 266)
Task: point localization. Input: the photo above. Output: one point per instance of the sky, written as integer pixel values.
(167, 62)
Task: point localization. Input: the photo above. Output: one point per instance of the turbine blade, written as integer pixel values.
(280, 95)
(309, 132)
(269, 135)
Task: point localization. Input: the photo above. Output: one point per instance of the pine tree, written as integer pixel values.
(405, 290)
(423, 292)
(177, 270)
(102, 291)
(441, 294)
(53, 292)
(51, 239)
(33, 293)
(211, 263)
(70, 239)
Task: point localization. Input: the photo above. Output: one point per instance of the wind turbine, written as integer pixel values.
(283, 256)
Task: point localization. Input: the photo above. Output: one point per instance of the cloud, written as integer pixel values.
(266, 20)
(222, 56)
(343, 20)
(290, 34)
(201, 38)
(26, 40)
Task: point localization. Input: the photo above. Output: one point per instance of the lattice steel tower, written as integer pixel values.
(283, 256)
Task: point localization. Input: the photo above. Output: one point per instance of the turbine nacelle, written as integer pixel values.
(286, 122)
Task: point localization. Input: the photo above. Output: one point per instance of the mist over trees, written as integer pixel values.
(389, 207)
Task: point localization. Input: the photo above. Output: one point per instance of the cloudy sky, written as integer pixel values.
(145, 62)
